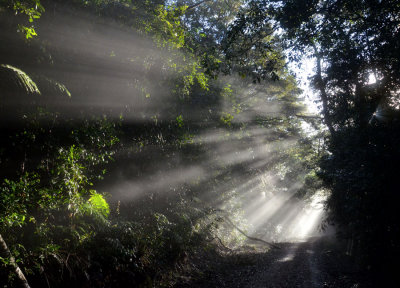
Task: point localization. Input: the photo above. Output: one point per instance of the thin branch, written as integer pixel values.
(6, 252)
(220, 242)
(243, 233)
(308, 117)
(196, 4)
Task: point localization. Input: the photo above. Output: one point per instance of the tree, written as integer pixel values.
(352, 43)
(162, 106)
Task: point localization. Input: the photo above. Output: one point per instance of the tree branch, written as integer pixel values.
(196, 4)
(229, 221)
(316, 117)
(320, 85)
(220, 241)
(7, 253)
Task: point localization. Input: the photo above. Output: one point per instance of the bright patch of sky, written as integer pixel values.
(371, 78)
(303, 73)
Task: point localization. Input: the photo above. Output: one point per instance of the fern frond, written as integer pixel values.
(59, 86)
(22, 79)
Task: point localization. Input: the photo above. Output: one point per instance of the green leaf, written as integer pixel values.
(99, 204)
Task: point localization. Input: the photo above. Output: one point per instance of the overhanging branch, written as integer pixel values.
(196, 4)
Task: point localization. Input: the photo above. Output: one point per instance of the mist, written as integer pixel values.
(113, 72)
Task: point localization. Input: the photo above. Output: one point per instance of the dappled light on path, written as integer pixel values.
(311, 263)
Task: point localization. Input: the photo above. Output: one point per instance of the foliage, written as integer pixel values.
(21, 79)
(152, 152)
(32, 9)
(354, 42)
(98, 204)
(49, 200)
(17, 197)
(234, 37)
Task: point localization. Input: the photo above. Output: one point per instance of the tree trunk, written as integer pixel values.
(4, 251)
(320, 85)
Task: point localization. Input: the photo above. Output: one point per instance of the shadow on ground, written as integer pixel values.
(316, 262)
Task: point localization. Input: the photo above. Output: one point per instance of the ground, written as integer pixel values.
(314, 262)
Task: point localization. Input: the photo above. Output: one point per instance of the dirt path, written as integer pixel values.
(295, 265)
(313, 263)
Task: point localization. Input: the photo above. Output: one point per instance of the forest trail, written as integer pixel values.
(312, 263)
